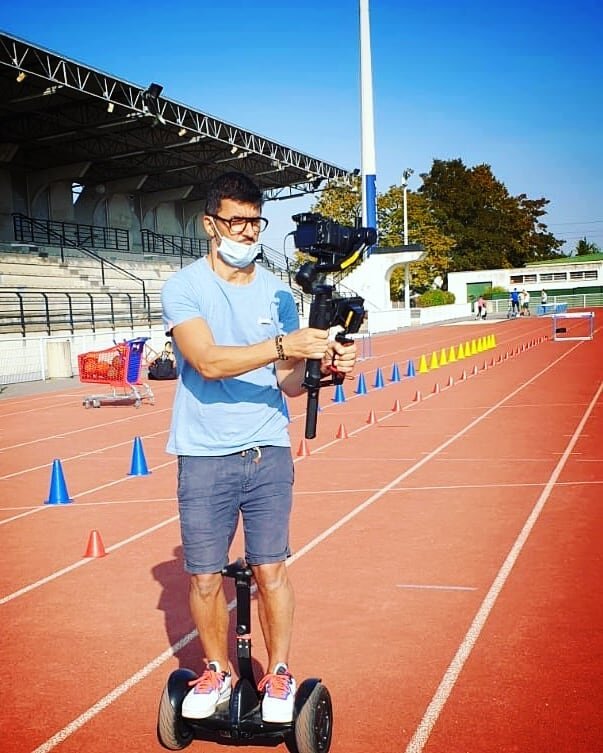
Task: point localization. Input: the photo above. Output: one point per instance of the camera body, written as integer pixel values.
(327, 240)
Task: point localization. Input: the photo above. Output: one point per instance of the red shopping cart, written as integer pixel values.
(119, 367)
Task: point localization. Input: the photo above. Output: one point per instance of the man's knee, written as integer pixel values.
(270, 577)
(206, 585)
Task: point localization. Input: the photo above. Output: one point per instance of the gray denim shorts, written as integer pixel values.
(212, 491)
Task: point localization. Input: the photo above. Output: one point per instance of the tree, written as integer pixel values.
(341, 202)
(422, 228)
(491, 228)
(584, 248)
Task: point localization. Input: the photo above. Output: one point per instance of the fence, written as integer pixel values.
(50, 232)
(41, 357)
(173, 245)
(50, 312)
(574, 301)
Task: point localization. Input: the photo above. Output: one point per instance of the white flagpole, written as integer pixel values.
(369, 194)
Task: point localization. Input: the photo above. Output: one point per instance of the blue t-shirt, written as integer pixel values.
(222, 416)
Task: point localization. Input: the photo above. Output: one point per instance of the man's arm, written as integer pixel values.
(196, 343)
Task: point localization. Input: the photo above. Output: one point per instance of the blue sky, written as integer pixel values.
(516, 85)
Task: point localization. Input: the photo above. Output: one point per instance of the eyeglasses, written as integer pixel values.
(238, 225)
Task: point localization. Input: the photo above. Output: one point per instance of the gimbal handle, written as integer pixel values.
(320, 318)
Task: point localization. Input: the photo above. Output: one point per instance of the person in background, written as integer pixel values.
(481, 308)
(164, 365)
(543, 300)
(515, 302)
(525, 303)
(238, 347)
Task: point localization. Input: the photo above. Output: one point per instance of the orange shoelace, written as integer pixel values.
(209, 680)
(277, 686)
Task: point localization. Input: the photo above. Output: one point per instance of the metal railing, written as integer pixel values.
(573, 301)
(47, 232)
(28, 312)
(173, 245)
(28, 226)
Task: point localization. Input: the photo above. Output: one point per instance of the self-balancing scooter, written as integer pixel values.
(240, 720)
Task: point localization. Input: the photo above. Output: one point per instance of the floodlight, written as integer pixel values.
(150, 97)
(153, 92)
(110, 107)
(21, 76)
(182, 131)
(234, 149)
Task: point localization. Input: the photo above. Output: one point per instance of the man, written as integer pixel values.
(525, 302)
(515, 302)
(238, 346)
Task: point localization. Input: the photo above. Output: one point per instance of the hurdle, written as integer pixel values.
(561, 333)
(366, 345)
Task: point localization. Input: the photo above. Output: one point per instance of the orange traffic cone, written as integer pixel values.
(341, 432)
(303, 450)
(95, 546)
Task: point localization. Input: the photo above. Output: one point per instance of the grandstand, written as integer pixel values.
(101, 186)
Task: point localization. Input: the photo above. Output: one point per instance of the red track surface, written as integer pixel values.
(447, 557)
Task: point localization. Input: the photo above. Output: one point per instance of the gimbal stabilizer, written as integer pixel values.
(336, 248)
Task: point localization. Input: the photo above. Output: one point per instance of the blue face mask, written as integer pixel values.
(235, 253)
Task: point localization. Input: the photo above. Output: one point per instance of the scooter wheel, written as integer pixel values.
(314, 723)
(172, 730)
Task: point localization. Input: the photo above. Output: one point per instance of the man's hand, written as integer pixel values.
(340, 357)
(306, 343)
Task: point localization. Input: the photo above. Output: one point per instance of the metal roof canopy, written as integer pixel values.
(56, 113)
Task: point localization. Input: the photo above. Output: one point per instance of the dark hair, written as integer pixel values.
(234, 185)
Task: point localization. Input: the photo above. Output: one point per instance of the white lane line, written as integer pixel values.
(80, 721)
(84, 561)
(88, 491)
(432, 713)
(428, 587)
(80, 455)
(65, 434)
(98, 503)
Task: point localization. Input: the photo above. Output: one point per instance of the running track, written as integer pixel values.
(447, 559)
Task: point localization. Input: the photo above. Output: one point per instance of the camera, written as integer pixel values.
(329, 241)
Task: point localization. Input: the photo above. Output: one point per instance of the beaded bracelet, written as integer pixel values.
(280, 351)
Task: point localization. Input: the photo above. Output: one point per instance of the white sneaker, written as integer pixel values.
(279, 695)
(209, 691)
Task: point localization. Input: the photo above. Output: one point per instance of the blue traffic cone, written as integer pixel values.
(361, 388)
(339, 396)
(395, 373)
(378, 379)
(410, 369)
(58, 494)
(138, 466)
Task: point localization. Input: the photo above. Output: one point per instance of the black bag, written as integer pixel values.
(162, 368)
